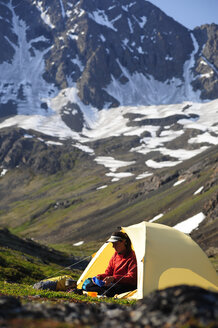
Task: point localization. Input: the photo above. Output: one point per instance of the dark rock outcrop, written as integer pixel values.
(207, 234)
(174, 307)
(40, 153)
(206, 69)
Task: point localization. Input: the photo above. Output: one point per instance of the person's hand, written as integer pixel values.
(108, 280)
(98, 277)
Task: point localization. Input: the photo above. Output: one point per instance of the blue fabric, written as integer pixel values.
(98, 282)
(86, 282)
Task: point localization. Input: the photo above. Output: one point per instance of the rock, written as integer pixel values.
(173, 307)
(8, 303)
(207, 37)
(35, 153)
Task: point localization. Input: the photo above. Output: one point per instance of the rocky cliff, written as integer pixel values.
(102, 54)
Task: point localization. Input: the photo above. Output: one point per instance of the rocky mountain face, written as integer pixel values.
(99, 54)
(207, 37)
(17, 148)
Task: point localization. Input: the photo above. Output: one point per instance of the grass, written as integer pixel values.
(19, 272)
(185, 209)
(176, 203)
(95, 213)
(21, 268)
(26, 293)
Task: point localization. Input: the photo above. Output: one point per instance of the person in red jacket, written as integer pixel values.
(121, 273)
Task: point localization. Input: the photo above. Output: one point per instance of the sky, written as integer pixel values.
(190, 13)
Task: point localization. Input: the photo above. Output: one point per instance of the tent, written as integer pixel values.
(165, 257)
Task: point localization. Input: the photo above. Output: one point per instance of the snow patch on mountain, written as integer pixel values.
(143, 89)
(151, 143)
(204, 137)
(159, 165)
(199, 190)
(144, 175)
(114, 165)
(187, 226)
(62, 9)
(84, 148)
(78, 62)
(111, 163)
(102, 187)
(70, 95)
(44, 15)
(100, 17)
(182, 154)
(3, 172)
(179, 182)
(118, 176)
(21, 81)
(115, 122)
(51, 126)
(54, 143)
(157, 217)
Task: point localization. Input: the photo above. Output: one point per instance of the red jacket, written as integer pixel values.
(122, 266)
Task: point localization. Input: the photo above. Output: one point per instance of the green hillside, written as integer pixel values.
(67, 207)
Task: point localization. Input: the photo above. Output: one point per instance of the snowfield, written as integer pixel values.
(40, 105)
(187, 226)
(114, 122)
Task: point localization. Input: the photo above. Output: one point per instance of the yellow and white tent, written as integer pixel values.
(165, 257)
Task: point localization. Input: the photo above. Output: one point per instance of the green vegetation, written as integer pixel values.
(27, 292)
(21, 268)
(18, 273)
(62, 209)
(57, 207)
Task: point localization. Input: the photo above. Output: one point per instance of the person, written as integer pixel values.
(121, 274)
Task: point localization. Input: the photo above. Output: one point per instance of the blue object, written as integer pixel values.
(86, 282)
(98, 282)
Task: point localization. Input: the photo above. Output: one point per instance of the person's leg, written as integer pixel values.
(119, 289)
(95, 288)
(110, 291)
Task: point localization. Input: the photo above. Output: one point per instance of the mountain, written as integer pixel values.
(74, 58)
(108, 116)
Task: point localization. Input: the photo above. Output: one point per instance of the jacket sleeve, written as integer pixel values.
(131, 276)
(109, 271)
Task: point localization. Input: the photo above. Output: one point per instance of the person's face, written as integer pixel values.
(120, 246)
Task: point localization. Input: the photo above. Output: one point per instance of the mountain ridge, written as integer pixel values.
(50, 51)
(103, 106)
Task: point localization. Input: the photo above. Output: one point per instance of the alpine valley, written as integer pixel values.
(108, 116)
